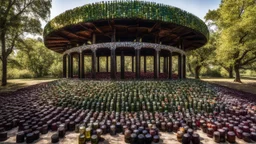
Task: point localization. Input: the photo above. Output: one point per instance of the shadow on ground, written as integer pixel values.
(248, 84)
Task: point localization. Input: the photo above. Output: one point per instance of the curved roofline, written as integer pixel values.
(126, 10)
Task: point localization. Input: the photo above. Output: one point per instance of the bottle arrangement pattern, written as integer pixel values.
(139, 110)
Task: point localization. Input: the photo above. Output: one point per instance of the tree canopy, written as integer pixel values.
(202, 57)
(235, 21)
(19, 17)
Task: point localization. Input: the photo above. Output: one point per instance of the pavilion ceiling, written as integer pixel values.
(125, 30)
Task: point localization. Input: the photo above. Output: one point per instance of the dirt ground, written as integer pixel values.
(72, 138)
(247, 85)
(15, 84)
(166, 138)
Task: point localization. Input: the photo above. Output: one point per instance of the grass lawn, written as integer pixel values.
(247, 85)
(15, 84)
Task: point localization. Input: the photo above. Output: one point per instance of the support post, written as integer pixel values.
(106, 63)
(180, 66)
(64, 72)
(165, 70)
(184, 66)
(98, 63)
(113, 37)
(113, 63)
(94, 64)
(81, 65)
(156, 64)
(122, 65)
(78, 65)
(116, 64)
(71, 66)
(93, 38)
(132, 63)
(170, 65)
(159, 64)
(145, 64)
(137, 53)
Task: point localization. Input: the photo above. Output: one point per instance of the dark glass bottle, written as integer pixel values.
(81, 139)
(195, 138)
(94, 139)
(231, 137)
(216, 136)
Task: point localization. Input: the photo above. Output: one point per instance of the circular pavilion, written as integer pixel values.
(131, 28)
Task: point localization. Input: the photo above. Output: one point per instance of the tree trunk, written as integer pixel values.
(4, 60)
(237, 78)
(190, 69)
(4, 71)
(230, 72)
(197, 72)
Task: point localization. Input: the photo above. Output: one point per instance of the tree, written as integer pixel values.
(34, 56)
(19, 17)
(236, 23)
(201, 57)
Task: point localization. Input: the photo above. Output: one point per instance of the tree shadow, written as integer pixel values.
(11, 87)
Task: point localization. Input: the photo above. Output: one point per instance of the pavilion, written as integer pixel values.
(136, 29)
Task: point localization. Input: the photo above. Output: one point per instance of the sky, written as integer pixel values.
(196, 7)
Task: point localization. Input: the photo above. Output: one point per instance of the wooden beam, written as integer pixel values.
(111, 24)
(99, 30)
(72, 35)
(84, 34)
(169, 31)
(85, 28)
(57, 41)
(54, 38)
(156, 25)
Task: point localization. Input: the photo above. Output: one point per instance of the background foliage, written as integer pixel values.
(230, 48)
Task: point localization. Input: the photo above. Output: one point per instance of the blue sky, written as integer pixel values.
(196, 7)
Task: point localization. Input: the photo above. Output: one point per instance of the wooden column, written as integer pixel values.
(93, 57)
(78, 65)
(122, 65)
(156, 64)
(81, 65)
(170, 65)
(165, 67)
(159, 64)
(184, 66)
(116, 64)
(113, 63)
(98, 63)
(180, 66)
(132, 63)
(94, 64)
(113, 37)
(145, 64)
(106, 63)
(64, 62)
(71, 66)
(93, 38)
(137, 53)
